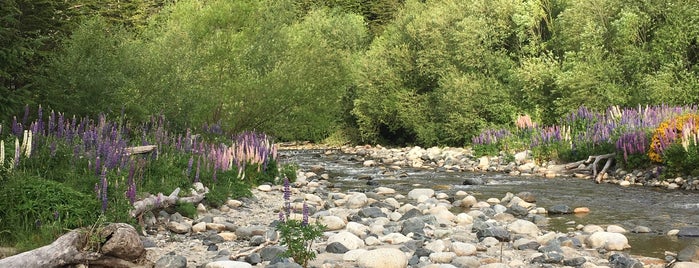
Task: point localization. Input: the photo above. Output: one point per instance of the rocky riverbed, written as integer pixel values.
(386, 228)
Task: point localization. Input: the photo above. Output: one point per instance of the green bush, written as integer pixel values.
(35, 211)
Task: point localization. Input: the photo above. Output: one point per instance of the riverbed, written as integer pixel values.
(659, 209)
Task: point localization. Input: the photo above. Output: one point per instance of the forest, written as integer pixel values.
(400, 72)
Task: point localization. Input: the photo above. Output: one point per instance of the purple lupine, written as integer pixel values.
(287, 197)
(304, 222)
(98, 166)
(103, 181)
(40, 121)
(52, 123)
(281, 217)
(189, 166)
(196, 174)
(56, 215)
(17, 128)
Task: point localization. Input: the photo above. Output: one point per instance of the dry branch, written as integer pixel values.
(162, 201)
(247, 252)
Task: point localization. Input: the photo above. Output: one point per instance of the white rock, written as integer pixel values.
(347, 239)
(520, 226)
(395, 216)
(228, 236)
(436, 246)
(314, 200)
(442, 257)
(463, 249)
(354, 254)
(201, 208)
(461, 193)
(468, 201)
(332, 223)
(372, 241)
(608, 241)
(228, 264)
(673, 232)
(392, 201)
(442, 196)
(199, 227)
(591, 228)
(233, 203)
(483, 163)
(415, 193)
(385, 191)
(383, 258)
(442, 214)
(358, 229)
(357, 200)
(616, 229)
(394, 238)
(463, 218)
(265, 188)
(216, 227)
(493, 201)
(179, 228)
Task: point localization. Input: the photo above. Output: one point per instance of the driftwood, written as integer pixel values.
(139, 149)
(595, 159)
(247, 252)
(162, 201)
(72, 248)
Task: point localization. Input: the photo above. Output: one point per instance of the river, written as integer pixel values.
(659, 209)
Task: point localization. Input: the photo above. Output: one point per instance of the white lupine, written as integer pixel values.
(24, 141)
(28, 151)
(2, 153)
(12, 163)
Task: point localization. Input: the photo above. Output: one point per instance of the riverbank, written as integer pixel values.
(451, 159)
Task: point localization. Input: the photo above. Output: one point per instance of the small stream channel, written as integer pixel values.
(660, 210)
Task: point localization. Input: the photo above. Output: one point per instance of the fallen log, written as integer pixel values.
(162, 201)
(593, 161)
(139, 149)
(64, 251)
(72, 248)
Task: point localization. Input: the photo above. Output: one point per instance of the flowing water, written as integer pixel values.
(659, 209)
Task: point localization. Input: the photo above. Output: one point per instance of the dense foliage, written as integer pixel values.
(389, 71)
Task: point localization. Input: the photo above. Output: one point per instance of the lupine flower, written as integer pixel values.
(56, 215)
(287, 197)
(103, 180)
(196, 175)
(2, 153)
(189, 165)
(281, 217)
(15, 163)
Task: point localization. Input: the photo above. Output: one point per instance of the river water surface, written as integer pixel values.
(659, 209)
